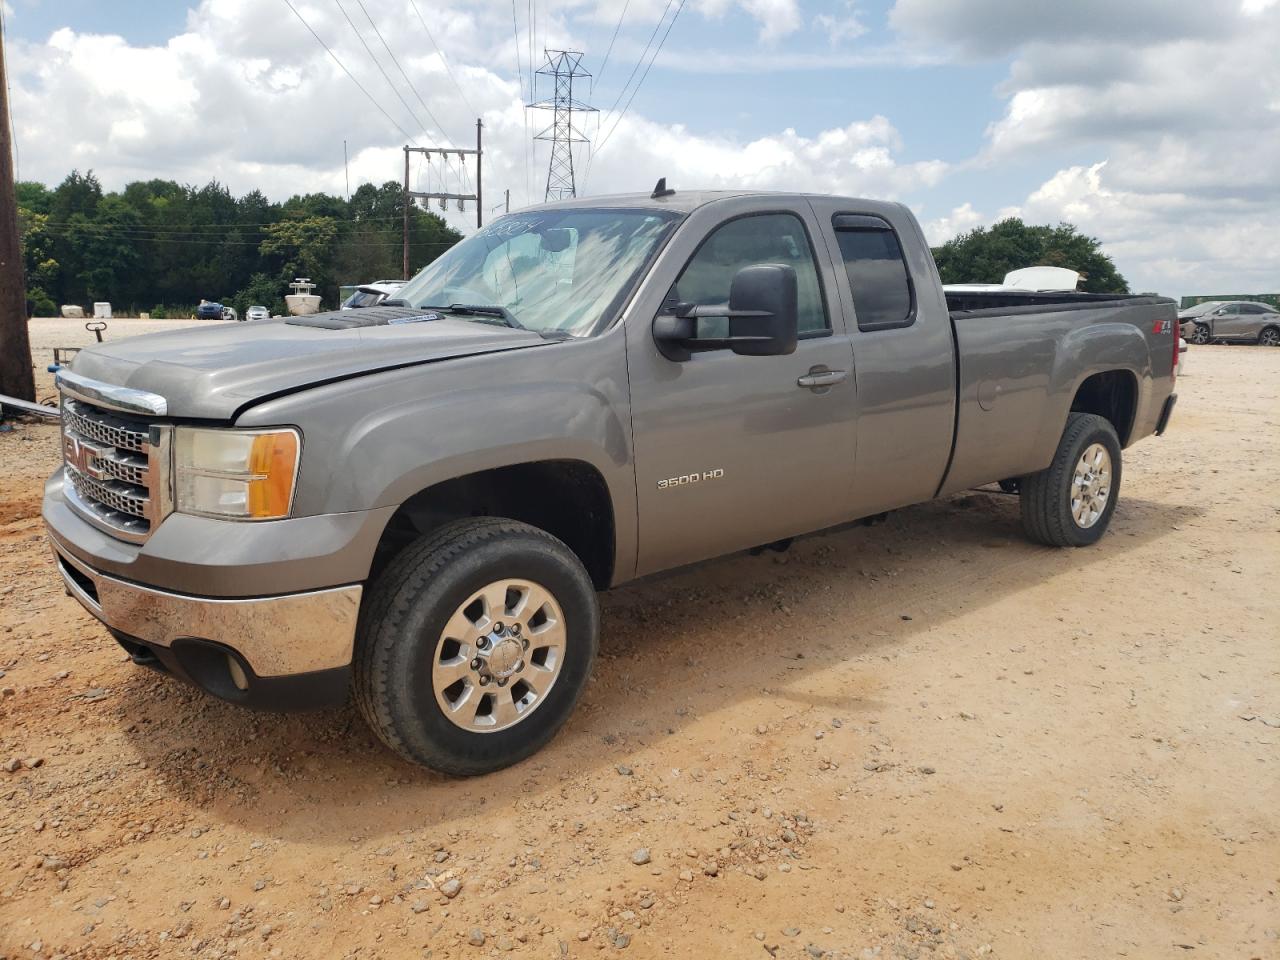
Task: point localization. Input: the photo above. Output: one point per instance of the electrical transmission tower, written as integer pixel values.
(563, 66)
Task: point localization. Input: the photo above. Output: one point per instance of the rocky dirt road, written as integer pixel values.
(925, 738)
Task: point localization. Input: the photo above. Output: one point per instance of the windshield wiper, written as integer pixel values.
(482, 310)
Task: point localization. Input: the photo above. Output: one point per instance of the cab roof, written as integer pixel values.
(679, 201)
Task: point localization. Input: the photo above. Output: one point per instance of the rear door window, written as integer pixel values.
(883, 296)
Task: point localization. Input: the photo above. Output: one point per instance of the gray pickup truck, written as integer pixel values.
(416, 503)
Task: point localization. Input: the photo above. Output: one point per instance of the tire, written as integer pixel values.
(1269, 337)
(1201, 334)
(404, 645)
(1047, 514)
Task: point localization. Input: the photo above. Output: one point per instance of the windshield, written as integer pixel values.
(552, 271)
(363, 298)
(1202, 308)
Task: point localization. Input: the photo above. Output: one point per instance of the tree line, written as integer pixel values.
(159, 246)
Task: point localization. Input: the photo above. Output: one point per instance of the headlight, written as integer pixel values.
(237, 474)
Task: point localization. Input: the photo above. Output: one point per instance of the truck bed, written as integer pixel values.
(987, 302)
(1020, 359)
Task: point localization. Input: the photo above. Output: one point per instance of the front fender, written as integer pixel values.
(378, 440)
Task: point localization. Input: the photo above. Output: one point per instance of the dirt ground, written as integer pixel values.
(926, 738)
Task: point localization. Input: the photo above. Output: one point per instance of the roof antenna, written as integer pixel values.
(660, 190)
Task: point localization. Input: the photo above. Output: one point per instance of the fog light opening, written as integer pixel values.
(237, 673)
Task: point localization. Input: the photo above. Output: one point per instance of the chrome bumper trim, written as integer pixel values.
(124, 399)
(278, 636)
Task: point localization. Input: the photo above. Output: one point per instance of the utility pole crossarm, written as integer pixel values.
(443, 196)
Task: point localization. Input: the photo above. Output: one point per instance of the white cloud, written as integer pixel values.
(1174, 103)
(840, 28)
(246, 96)
(777, 18)
(858, 159)
(941, 229)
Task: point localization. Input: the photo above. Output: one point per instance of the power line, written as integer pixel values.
(604, 141)
(524, 100)
(605, 62)
(378, 63)
(443, 59)
(643, 53)
(197, 228)
(350, 75)
(439, 125)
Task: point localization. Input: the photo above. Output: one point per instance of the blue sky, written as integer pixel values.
(1079, 109)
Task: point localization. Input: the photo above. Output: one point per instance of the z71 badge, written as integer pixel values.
(688, 478)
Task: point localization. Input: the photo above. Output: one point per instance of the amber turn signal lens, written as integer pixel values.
(273, 460)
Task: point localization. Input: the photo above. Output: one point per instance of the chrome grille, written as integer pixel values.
(118, 477)
(89, 423)
(121, 497)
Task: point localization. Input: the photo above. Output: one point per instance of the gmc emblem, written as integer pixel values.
(83, 456)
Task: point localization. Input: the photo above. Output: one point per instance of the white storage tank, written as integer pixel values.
(101, 310)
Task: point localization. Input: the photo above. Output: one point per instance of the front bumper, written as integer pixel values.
(281, 652)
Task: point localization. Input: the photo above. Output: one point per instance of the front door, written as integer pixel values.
(735, 451)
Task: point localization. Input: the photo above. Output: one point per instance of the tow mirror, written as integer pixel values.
(763, 314)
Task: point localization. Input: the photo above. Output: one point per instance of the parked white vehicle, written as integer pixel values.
(372, 294)
(257, 313)
(1037, 279)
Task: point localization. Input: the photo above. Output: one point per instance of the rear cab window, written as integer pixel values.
(883, 293)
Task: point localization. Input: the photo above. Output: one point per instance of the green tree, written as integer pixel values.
(262, 290)
(161, 246)
(986, 254)
(302, 248)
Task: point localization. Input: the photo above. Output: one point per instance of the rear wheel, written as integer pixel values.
(1070, 502)
(1201, 334)
(1270, 337)
(475, 645)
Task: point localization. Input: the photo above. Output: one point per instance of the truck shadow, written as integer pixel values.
(675, 650)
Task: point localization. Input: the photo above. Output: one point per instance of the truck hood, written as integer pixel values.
(215, 372)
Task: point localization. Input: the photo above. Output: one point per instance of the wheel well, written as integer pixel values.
(567, 498)
(1113, 395)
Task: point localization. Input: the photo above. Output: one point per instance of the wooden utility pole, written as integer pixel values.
(16, 377)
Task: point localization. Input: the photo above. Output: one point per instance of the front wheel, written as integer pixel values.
(1070, 502)
(1270, 337)
(1201, 334)
(475, 645)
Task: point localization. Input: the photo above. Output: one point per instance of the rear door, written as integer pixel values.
(1253, 317)
(903, 354)
(1231, 322)
(735, 451)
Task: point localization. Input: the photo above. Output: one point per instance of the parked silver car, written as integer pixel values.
(1241, 320)
(257, 312)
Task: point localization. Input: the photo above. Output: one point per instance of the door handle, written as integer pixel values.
(821, 378)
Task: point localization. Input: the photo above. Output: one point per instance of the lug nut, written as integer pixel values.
(515, 629)
(483, 643)
(498, 627)
(526, 644)
(484, 679)
(502, 681)
(475, 664)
